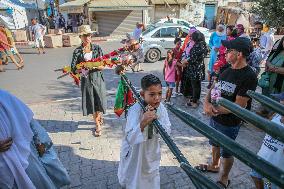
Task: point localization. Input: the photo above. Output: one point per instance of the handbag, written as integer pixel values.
(264, 80)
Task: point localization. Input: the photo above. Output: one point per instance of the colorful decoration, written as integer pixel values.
(124, 98)
(83, 68)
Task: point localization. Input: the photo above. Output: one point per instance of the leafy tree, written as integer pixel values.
(270, 11)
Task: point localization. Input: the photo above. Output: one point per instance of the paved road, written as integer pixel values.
(38, 83)
(92, 162)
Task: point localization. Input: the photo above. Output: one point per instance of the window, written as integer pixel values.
(171, 32)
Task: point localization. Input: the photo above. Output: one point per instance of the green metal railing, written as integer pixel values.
(198, 179)
(273, 129)
(268, 102)
(249, 158)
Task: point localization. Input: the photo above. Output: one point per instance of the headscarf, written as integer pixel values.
(189, 44)
(15, 118)
(186, 41)
(242, 28)
(223, 32)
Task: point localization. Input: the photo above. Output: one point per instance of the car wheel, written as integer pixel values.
(153, 55)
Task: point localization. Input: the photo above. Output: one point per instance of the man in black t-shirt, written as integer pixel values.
(233, 84)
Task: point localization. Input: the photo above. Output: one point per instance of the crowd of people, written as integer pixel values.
(234, 65)
(69, 24)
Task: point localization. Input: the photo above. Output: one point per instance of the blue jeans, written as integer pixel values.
(231, 132)
(171, 85)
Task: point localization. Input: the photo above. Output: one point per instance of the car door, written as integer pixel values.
(167, 37)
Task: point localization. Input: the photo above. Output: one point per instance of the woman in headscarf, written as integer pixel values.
(221, 63)
(27, 157)
(241, 31)
(195, 67)
(185, 87)
(92, 86)
(214, 44)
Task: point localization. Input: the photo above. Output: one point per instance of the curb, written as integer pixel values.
(95, 40)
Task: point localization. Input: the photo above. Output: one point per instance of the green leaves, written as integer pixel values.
(270, 11)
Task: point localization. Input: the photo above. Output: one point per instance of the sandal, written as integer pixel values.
(221, 184)
(101, 121)
(204, 168)
(98, 133)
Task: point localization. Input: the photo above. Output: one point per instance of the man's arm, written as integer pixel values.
(240, 100)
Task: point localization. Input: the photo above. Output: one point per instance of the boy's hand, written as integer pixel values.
(148, 117)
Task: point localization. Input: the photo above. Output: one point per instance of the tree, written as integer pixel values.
(270, 11)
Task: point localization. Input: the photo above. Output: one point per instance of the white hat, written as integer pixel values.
(85, 29)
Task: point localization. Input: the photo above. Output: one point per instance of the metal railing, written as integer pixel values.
(249, 158)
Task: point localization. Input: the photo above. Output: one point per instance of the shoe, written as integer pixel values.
(173, 95)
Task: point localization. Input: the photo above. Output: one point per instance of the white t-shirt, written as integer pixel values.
(38, 30)
(272, 150)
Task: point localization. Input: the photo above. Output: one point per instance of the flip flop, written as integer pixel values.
(221, 184)
(204, 168)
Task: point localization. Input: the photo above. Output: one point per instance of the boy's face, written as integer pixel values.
(153, 95)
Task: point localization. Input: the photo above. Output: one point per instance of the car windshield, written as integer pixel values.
(149, 29)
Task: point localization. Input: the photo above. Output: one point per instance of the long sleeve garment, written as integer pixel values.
(214, 42)
(139, 156)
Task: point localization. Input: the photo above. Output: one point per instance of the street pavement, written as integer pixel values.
(93, 162)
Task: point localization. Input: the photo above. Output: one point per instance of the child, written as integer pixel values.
(169, 72)
(140, 156)
(271, 150)
(177, 55)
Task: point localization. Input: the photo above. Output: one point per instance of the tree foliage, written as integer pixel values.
(270, 11)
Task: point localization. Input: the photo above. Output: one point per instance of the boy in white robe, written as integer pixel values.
(140, 153)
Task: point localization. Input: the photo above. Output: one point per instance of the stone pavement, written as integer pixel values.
(93, 162)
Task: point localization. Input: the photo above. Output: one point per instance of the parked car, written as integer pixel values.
(175, 21)
(158, 39)
(183, 23)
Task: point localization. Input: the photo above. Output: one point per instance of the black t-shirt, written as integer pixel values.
(232, 83)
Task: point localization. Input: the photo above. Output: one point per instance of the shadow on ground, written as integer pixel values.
(89, 173)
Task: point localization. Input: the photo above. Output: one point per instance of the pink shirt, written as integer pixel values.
(3, 37)
(170, 71)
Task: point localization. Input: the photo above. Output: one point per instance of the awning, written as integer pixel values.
(23, 4)
(170, 2)
(76, 6)
(103, 5)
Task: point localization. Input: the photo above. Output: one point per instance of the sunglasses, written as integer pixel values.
(87, 35)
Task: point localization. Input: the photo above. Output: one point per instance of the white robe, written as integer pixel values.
(139, 156)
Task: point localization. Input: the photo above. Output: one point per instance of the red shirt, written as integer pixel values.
(3, 38)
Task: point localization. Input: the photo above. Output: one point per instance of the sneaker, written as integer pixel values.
(174, 95)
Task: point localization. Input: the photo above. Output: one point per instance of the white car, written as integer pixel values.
(182, 22)
(158, 39)
(175, 21)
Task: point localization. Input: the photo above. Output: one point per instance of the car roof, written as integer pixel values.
(167, 24)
